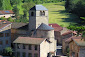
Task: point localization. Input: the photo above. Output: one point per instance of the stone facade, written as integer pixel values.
(77, 48)
(37, 19)
(50, 36)
(5, 37)
(42, 49)
(19, 51)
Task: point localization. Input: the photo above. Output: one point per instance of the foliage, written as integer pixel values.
(76, 7)
(79, 29)
(7, 51)
(25, 14)
(83, 34)
(28, 5)
(16, 11)
(15, 2)
(5, 5)
(10, 19)
(3, 18)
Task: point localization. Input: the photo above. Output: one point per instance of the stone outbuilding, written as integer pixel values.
(77, 47)
(18, 29)
(65, 44)
(32, 47)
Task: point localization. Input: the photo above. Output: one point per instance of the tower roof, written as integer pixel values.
(45, 27)
(38, 7)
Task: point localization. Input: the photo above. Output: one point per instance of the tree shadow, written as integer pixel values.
(72, 18)
(59, 4)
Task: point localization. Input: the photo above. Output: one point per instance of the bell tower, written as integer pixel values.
(37, 15)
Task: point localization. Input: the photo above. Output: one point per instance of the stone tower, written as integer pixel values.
(37, 15)
(45, 31)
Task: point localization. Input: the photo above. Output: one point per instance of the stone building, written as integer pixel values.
(7, 13)
(37, 15)
(32, 47)
(61, 32)
(18, 29)
(5, 34)
(65, 44)
(38, 29)
(77, 47)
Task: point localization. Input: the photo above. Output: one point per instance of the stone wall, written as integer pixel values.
(5, 30)
(82, 52)
(21, 50)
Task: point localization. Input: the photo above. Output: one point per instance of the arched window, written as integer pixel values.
(32, 13)
(42, 13)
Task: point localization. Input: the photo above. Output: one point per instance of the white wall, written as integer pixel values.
(7, 15)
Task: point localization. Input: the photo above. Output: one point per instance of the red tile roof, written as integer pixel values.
(56, 27)
(3, 23)
(68, 32)
(6, 12)
(79, 42)
(29, 40)
(73, 37)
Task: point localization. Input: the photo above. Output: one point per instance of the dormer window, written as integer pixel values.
(42, 13)
(32, 13)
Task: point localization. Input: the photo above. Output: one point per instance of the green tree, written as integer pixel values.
(28, 5)
(15, 2)
(16, 11)
(76, 6)
(7, 51)
(79, 29)
(10, 19)
(25, 14)
(5, 5)
(3, 18)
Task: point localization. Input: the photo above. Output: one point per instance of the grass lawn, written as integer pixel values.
(57, 14)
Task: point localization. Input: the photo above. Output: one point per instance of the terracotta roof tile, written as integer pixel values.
(73, 37)
(68, 32)
(6, 12)
(79, 42)
(4, 23)
(29, 40)
(56, 27)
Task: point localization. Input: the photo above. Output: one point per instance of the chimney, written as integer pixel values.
(51, 25)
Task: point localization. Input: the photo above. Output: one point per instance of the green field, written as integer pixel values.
(57, 14)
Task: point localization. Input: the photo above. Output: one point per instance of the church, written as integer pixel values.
(41, 40)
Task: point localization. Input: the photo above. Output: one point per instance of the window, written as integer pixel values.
(42, 13)
(18, 46)
(24, 54)
(35, 47)
(1, 35)
(7, 34)
(30, 47)
(6, 41)
(18, 54)
(32, 13)
(0, 42)
(29, 54)
(35, 55)
(24, 46)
